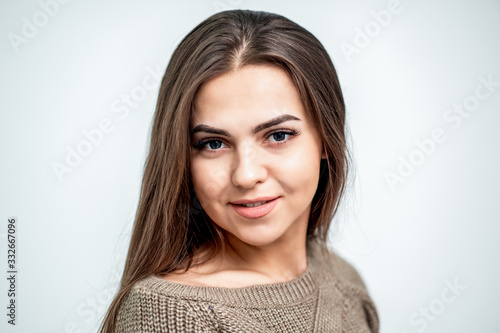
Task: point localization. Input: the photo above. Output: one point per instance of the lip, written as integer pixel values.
(255, 212)
(239, 202)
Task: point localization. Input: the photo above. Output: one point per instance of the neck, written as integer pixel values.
(280, 261)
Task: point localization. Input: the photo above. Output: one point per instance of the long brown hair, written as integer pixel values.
(170, 225)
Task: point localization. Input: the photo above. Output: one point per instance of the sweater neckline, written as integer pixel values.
(262, 295)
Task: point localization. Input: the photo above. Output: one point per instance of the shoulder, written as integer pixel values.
(333, 267)
(157, 305)
(153, 306)
(342, 285)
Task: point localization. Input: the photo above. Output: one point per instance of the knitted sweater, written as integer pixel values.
(328, 297)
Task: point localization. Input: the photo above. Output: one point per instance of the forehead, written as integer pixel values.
(253, 91)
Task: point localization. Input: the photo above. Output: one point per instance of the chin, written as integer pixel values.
(258, 239)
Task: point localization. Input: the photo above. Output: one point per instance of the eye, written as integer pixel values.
(282, 136)
(279, 136)
(276, 138)
(208, 144)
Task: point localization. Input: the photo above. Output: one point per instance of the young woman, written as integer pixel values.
(246, 169)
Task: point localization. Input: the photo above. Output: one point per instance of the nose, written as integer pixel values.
(248, 170)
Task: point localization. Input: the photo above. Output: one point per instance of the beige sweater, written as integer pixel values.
(328, 297)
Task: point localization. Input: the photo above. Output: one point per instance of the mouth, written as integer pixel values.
(255, 208)
(257, 201)
(254, 204)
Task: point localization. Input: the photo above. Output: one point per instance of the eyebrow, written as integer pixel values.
(257, 129)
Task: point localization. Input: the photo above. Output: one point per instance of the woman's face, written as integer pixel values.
(253, 142)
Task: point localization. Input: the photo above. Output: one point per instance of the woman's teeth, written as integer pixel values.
(254, 204)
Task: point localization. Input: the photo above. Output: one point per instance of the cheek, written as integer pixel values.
(209, 179)
(299, 171)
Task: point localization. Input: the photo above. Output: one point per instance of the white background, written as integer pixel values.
(439, 225)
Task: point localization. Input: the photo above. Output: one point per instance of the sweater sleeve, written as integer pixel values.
(129, 314)
(146, 311)
(359, 313)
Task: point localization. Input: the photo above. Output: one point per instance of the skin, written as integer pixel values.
(249, 165)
